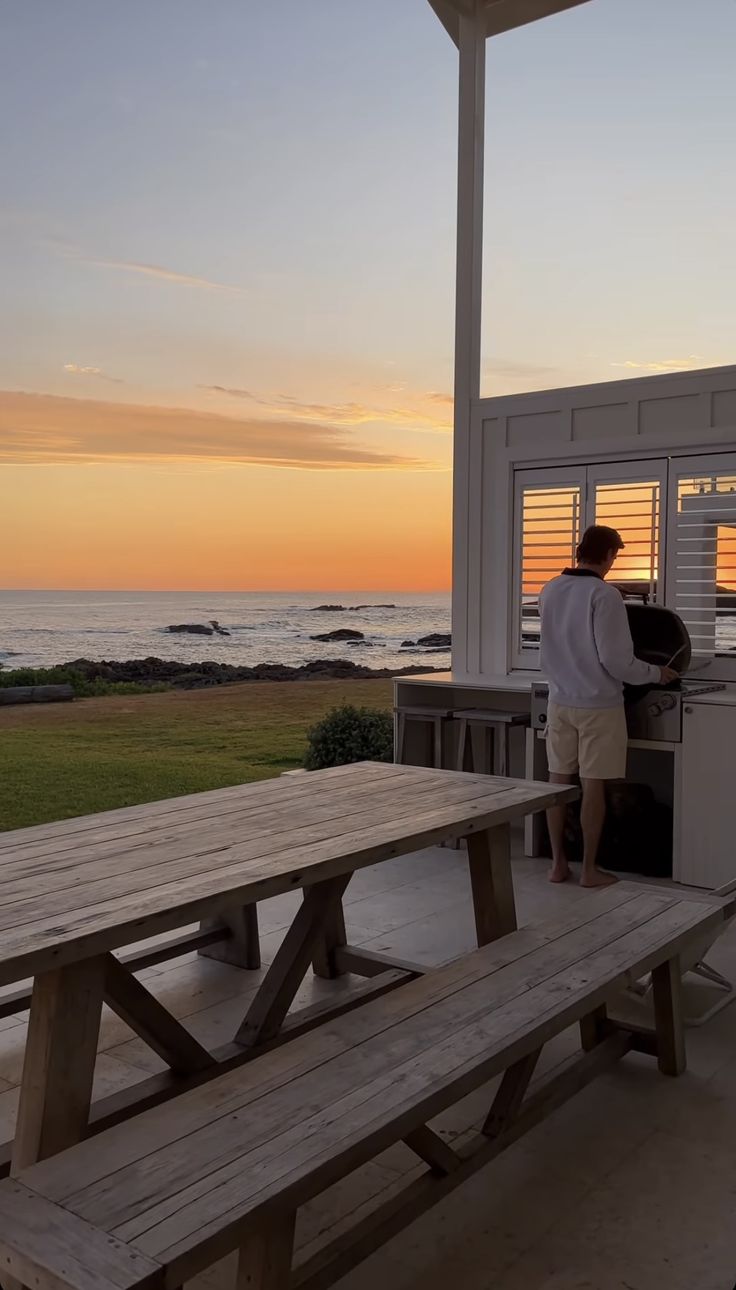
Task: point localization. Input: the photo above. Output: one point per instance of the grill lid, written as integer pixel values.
(660, 637)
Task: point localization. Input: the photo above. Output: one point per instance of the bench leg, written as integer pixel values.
(400, 737)
(594, 1028)
(265, 1258)
(437, 743)
(667, 991)
(462, 739)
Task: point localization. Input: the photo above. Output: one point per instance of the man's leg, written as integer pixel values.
(560, 870)
(561, 739)
(592, 819)
(603, 746)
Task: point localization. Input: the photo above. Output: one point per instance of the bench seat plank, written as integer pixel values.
(194, 1111)
(359, 1119)
(181, 1182)
(60, 1250)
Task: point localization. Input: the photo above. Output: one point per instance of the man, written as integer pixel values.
(587, 655)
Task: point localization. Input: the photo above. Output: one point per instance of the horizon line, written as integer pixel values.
(225, 591)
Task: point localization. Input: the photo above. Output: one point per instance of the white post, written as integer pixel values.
(468, 288)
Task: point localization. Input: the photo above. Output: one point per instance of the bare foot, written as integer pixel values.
(559, 872)
(598, 878)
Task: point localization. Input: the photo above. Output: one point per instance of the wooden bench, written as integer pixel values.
(224, 1166)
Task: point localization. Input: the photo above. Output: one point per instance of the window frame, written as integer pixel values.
(572, 476)
(683, 466)
(585, 476)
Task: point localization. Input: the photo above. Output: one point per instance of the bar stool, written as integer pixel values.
(493, 728)
(435, 718)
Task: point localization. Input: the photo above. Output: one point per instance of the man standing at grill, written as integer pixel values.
(587, 656)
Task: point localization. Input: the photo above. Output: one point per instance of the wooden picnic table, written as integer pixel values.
(75, 891)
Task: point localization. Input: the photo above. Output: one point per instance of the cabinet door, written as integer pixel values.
(706, 838)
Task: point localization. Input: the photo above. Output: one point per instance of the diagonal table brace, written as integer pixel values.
(278, 989)
(142, 1011)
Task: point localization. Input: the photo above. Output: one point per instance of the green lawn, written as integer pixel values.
(95, 754)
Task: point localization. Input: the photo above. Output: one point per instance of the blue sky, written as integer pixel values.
(304, 154)
(246, 210)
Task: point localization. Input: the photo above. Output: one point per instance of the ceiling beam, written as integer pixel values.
(449, 17)
(504, 15)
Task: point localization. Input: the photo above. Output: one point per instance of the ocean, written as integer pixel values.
(41, 628)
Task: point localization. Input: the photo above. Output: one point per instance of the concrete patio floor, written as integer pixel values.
(631, 1186)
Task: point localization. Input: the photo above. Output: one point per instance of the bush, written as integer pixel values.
(350, 734)
(84, 687)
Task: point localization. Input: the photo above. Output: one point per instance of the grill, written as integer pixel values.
(653, 713)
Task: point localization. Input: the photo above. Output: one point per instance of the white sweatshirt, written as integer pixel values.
(587, 650)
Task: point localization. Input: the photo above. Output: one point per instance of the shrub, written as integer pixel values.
(349, 734)
(84, 687)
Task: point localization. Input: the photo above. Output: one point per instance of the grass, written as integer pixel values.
(95, 754)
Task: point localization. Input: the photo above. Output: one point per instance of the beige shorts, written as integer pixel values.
(588, 741)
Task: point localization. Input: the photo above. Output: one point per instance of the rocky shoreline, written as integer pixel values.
(194, 676)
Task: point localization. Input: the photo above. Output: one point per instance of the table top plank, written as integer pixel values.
(63, 911)
(174, 813)
(257, 838)
(148, 848)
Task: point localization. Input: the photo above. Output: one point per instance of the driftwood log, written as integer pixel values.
(36, 694)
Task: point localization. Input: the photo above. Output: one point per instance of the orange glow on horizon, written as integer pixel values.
(230, 528)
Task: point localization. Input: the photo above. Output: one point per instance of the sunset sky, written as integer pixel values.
(227, 266)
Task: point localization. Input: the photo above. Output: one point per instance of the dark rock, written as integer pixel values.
(194, 629)
(221, 631)
(366, 645)
(354, 608)
(328, 609)
(408, 645)
(436, 640)
(340, 634)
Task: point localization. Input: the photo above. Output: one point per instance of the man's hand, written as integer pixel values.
(667, 675)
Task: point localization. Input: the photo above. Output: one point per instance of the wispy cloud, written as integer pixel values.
(76, 369)
(70, 251)
(44, 428)
(159, 271)
(687, 364)
(232, 391)
(344, 414)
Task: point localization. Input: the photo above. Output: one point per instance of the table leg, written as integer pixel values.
(667, 992)
(59, 1064)
(489, 861)
(332, 937)
(276, 994)
(241, 948)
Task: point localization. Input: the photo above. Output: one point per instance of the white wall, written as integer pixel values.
(617, 420)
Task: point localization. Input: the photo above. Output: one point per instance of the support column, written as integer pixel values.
(468, 292)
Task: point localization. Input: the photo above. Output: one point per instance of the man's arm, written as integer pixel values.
(614, 644)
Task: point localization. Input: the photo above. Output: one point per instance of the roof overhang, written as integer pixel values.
(500, 15)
